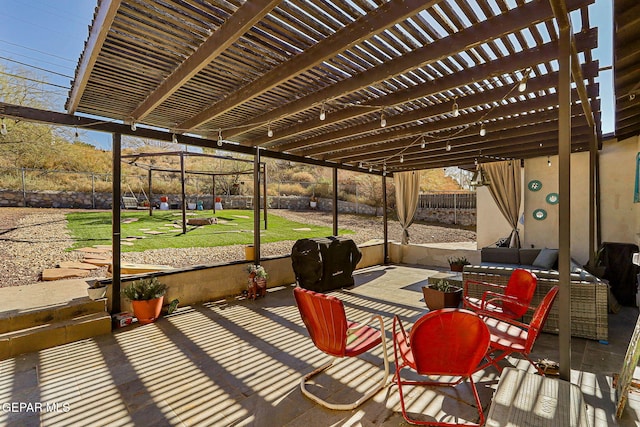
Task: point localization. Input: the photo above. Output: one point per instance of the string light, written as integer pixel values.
(384, 166)
(269, 130)
(483, 130)
(383, 120)
(219, 137)
(401, 159)
(3, 128)
(323, 113)
(523, 82)
(424, 143)
(174, 138)
(448, 147)
(455, 110)
(548, 161)
(360, 164)
(370, 168)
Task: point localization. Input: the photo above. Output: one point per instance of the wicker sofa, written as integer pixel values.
(589, 303)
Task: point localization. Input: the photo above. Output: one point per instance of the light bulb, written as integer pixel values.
(455, 110)
(423, 145)
(383, 120)
(323, 114)
(370, 168)
(269, 130)
(174, 138)
(541, 145)
(219, 137)
(401, 159)
(548, 161)
(384, 167)
(384, 173)
(360, 164)
(133, 126)
(3, 128)
(483, 131)
(448, 147)
(522, 86)
(76, 136)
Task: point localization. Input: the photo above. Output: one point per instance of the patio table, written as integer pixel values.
(525, 399)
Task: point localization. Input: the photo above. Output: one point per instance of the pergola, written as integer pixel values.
(374, 86)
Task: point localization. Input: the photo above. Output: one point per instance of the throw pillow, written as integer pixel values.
(546, 258)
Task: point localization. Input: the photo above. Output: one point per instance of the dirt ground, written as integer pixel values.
(35, 239)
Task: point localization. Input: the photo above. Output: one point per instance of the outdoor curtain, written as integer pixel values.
(407, 188)
(505, 188)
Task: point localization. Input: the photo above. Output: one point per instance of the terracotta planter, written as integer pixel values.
(456, 267)
(147, 311)
(436, 300)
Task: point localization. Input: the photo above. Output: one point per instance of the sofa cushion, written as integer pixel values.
(528, 255)
(500, 255)
(546, 258)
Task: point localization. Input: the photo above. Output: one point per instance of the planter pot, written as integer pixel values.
(256, 287)
(437, 300)
(313, 205)
(456, 267)
(97, 293)
(249, 253)
(147, 311)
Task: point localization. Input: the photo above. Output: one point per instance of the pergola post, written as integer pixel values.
(564, 186)
(184, 201)
(116, 194)
(335, 201)
(213, 193)
(385, 225)
(149, 184)
(256, 207)
(264, 192)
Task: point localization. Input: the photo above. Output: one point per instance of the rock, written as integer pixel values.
(63, 273)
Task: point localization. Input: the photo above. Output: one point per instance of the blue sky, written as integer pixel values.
(50, 35)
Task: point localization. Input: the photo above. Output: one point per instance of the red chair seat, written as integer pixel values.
(360, 339)
(506, 336)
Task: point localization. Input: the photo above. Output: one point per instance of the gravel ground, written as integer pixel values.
(36, 239)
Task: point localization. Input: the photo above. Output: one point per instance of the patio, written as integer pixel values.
(238, 362)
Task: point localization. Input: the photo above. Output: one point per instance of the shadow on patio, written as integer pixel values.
(239, 362)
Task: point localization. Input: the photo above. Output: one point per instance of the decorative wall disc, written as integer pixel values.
(534, 185)
(553, 198)
(539, 214)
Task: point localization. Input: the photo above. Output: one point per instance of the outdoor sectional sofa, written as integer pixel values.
(589, 303)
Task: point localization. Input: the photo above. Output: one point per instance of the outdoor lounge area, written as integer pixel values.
(239, 362)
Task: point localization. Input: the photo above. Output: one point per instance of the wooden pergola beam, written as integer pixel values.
(438, 126)
(383, 17)
(99, 31)
(231, 30)
(494, 27)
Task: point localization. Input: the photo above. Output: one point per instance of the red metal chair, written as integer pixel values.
(331, 332)
(504, 302)
(450, 342)
(510, 336)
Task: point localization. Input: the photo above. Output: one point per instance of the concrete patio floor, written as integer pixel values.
(239, 362)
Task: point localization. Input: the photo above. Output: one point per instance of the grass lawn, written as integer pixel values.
(235, 227)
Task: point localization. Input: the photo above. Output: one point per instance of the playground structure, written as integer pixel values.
(131, 202)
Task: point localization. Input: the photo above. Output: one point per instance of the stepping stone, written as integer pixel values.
(144, 229)
(241, 216)
(63, 273)
(107, 247)
(129, 220)
(129, 239)
(154, 232)
(126, 243)
(302, 229)
(94, 250)
(201, 221)
(100, 262)
(77, 265)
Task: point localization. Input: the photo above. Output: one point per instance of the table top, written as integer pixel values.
(524, 399)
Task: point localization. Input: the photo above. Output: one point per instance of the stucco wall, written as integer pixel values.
(620, 216)
(491, 224)
(544, 233)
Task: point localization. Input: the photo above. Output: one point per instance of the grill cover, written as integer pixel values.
(325, 263)
(617, 259)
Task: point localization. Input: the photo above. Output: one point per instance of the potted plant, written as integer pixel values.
(146, 296)
(257, 283)
(96, 290)
(442, 294)
(458, 263)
